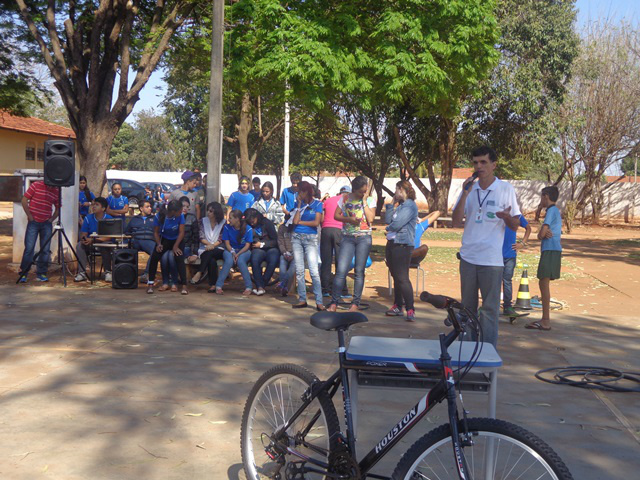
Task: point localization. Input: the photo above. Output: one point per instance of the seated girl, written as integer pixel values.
(263, 249)
(169, 235)
(237, 237)
(211, 246)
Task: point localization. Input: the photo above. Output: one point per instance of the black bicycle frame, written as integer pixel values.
(443, 390)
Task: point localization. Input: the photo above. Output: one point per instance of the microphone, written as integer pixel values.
(440, 301)
(474, 175)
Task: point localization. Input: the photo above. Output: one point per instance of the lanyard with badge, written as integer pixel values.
(479, 214)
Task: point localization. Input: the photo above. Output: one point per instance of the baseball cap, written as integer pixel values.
(345, 189)
(187, 175)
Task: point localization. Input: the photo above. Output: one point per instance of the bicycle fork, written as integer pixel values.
(461, 462)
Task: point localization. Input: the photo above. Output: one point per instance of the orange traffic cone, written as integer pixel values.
(524, 297)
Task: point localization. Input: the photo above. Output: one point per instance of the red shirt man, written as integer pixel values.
(41, 204)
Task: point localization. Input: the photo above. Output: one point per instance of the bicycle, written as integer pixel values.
(290, 427)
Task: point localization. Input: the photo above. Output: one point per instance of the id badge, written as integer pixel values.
(479, 217)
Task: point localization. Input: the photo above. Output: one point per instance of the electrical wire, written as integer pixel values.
(593, 378)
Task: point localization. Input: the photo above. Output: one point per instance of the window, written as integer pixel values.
(30, 152)
(41, 152)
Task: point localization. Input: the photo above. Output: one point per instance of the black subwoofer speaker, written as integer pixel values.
(125, 268)
(59, 163)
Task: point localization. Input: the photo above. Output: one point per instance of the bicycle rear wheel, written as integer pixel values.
(501, 451)
(275, 397)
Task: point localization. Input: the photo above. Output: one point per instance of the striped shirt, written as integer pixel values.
(41, 199)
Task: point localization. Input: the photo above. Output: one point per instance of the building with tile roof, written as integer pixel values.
(22, 141)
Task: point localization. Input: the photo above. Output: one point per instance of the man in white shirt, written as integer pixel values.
(489, 206)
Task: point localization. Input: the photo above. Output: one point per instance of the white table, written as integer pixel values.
(409, 351)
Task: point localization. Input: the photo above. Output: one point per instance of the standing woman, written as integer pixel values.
(304, 239)
(85, 198)
(169, 235)
(401, 216)
(269, 206)
(211, 249)
(242, 198)
(356, 214)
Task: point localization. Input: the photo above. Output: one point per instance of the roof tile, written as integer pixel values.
(34, 125)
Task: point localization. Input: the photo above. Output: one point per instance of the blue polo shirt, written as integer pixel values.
(170, 229)
(309, 215)
(256, 195)
(554, 220)
(82, 198)
(231, 234)
(288, 198)
(240, 201)
(510, 239)
(90, 223)
(420, 229)
(117, 204)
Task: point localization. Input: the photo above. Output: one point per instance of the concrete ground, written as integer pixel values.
(98, 383)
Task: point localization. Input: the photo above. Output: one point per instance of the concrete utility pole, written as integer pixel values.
(214, 146)
(285, 167)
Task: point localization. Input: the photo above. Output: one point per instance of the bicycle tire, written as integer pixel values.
(283, 386)
(518, 453)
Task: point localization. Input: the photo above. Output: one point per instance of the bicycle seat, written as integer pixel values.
(336, 320)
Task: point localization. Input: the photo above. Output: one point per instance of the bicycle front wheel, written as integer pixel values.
(500, 451)
(275, 397)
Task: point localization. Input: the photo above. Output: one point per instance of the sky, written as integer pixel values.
(588, 10)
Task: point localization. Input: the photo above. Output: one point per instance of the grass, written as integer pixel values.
(435, 234)
(631, 242)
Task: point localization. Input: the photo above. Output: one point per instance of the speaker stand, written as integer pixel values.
(59, 230)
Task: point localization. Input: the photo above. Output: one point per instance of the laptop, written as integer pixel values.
(110, 226)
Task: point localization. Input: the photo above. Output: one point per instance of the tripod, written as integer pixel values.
(59, 230)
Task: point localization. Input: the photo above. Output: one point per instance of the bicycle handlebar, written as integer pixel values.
(440, 301)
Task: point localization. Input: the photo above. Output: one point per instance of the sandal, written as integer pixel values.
(184, 290)
(163, 288)
(219, 291)
(174, 288)
(212, 290)
(536, 326)
(247, 292)
(150, 289)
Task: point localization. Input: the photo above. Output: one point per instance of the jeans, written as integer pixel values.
(305, 246)
(209, 261)
(147, 247)
(169, 268)
(35, 229)
(398, 257)
(258, 256)
(351, 245)
(507, 281)
(167, 249)
(287, 272)
(330, 238)
(487, 279)
(243, 261)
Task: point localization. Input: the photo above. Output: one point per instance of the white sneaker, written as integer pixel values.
(108, 277)
(80, 277)
(255, 291)
(260, 291)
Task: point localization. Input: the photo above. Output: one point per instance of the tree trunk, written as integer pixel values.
(93, 147)
(448, 158)
(244, 164)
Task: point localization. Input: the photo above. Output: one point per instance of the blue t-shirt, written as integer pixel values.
(231, 234)
(309, 215)
(170, 229)
(554, 220)
(90, 223)
(510, 239)
(82, 198)
(117, 204)
(240, 201)
(288, 199)
(420, 229)
(256, 195)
